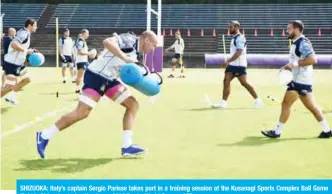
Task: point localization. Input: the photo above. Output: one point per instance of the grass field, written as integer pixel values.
(185, 138)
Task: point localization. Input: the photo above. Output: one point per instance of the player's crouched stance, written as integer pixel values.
(302, 58)
(100, 79)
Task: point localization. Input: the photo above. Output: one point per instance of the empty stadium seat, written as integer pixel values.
(17, 13)
(192, 16)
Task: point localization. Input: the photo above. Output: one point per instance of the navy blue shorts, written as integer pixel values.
(177, 56)
(12, 69)
(97, 85)
(68, 59)
(82, 65)
(302, 89)
(236, 70)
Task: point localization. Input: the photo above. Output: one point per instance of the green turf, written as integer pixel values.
(185, 138)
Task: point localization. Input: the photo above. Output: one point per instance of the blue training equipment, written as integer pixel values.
(138, 77)
(36, 59)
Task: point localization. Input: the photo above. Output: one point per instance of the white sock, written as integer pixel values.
(325, 126)
(279, 127)
(224, 102)
(64, 79)
(127, 138)
(78, 88)
(12, 95)
(50, 132)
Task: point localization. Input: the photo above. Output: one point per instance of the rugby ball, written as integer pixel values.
(93, 53)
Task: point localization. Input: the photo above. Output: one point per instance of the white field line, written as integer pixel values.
(38, 119)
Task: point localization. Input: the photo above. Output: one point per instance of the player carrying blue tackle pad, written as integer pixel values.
(139, 77)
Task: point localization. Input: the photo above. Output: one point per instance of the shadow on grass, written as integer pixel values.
(216, 109)
(5, 109)
(258, 141)
(60, 93)
(70, 165)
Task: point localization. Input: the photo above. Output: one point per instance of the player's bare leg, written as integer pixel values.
(13, 87)
(79, 77)
(21, 84)
(3, 80)
(121, 95)
(82, 111)
(244, 82)
(129, 117)
(63, 72)
(286, 105)
(72, 74)
(173, 66)
(226, 90)
(8, 85)
(309, 102)
(181, 67)
(227, 85)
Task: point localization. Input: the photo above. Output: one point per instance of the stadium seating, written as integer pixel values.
(277, 44)
(104, 19)
(194, 44)
(193, 16)
(16, 13)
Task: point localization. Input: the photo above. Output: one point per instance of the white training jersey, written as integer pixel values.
(81, 45)
(178, 46)
(66, 44)
(16, 57)
(239, 42)
(300, 49)
(108, 65)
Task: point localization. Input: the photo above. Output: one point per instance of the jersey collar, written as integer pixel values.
(302, 36)
(238, 34)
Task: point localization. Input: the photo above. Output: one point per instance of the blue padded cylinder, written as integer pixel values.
(130, 74)
(145, 82)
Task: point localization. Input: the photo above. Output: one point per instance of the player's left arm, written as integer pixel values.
(240, 44)
(112, 46)
(235, 56)
(171, 47)
(308, 52)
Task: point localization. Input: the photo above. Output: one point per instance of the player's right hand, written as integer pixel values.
(30, 51)
(224, 65)
(288, 67)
